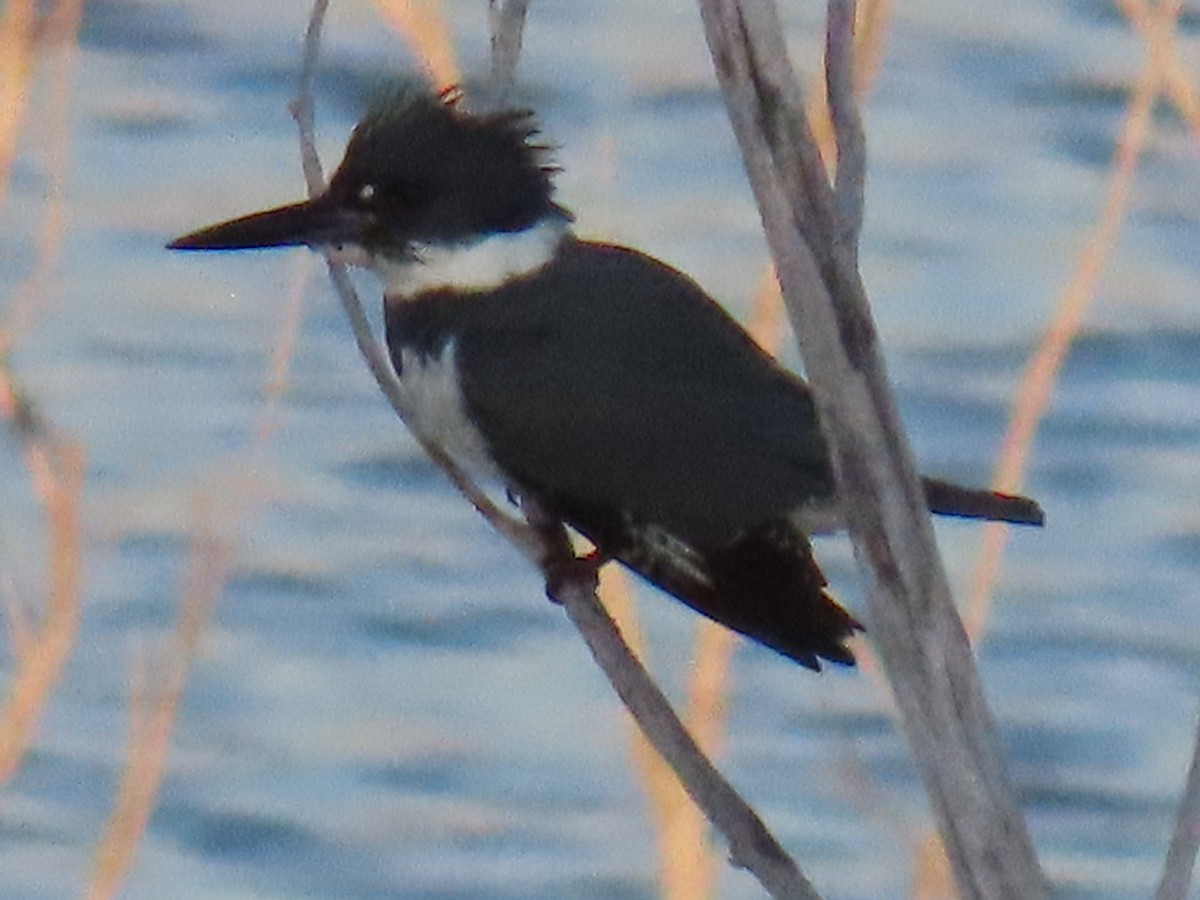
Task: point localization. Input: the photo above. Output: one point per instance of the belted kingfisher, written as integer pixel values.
(590, 378)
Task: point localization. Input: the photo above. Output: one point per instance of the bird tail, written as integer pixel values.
(948, 499)
(768, 586)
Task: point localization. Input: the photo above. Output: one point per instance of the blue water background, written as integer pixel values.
(383, 705)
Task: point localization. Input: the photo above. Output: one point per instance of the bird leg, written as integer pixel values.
(563, 570)
(559, 562)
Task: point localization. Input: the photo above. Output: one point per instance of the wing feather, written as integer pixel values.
(647, 399)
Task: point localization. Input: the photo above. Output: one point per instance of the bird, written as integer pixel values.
(589, 378)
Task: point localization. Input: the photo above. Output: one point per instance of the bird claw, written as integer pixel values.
(565, 570)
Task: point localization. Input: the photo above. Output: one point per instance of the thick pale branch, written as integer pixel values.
(847, 124)
(507, 19)
(912, 617)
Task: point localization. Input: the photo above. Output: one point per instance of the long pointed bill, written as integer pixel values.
(316, 222)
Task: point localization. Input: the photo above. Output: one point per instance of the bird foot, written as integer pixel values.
(567, 569)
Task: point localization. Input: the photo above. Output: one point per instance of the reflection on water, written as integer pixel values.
(382, 704)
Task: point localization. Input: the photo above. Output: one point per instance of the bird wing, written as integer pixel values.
(614, 382)
(627, 402)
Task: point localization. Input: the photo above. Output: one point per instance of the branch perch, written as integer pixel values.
(813, 238)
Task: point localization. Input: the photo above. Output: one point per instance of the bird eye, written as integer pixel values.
(366, 193)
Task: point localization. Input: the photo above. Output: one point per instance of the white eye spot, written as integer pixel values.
(366, 192)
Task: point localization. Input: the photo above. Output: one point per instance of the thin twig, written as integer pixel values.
(18, 22)
(301, 107)
(422, 24)
(284, 350)
(870, 24)
(153, 714)
(912, 617)
(1040, 376)
(851, 179)
(545, 545)
(506, 19)
(56, 464)
(1181, 856)
(59, 29)
(1160, 41)
(1185, 840)
(57, 468)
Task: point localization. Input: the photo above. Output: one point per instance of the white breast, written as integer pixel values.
(437, 411)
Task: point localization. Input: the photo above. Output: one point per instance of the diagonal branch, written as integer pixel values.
(847, 124)
(1181, 855)
(920, 637)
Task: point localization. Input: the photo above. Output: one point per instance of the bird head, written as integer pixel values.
(419, 171)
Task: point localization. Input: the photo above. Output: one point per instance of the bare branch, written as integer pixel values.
(847, 124)
(751, 845)
(153, 717)
(1181, 856)
(302, 106)
(913, 621)
(507, 21)
(1075, 298)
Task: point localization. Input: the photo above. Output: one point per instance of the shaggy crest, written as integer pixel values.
(426, 170)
